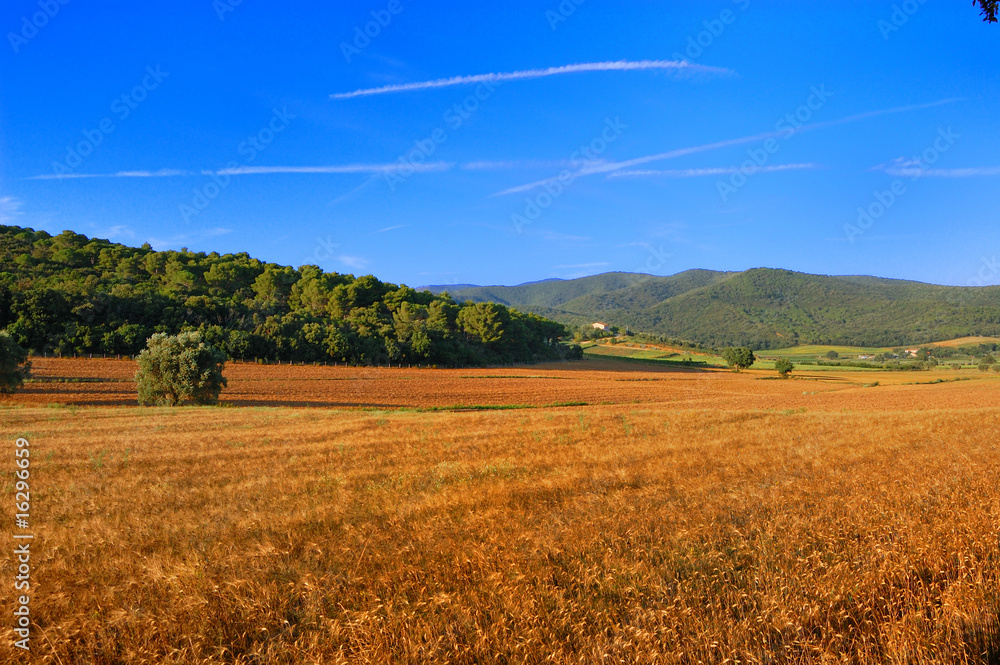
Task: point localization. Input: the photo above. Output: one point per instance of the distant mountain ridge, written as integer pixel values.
(763, 307)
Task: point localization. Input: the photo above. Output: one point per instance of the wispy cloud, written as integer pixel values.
(392, 228)
(335, 169)
(162, 173)
(516, 164)
(611, 167)
(9, 208)
(119, 231)
(356, 262)
(677, 66)
(555, 236)
(347, 196)
(696, 173)
(912, 169)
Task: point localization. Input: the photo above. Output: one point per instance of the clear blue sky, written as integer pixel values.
(142, 108)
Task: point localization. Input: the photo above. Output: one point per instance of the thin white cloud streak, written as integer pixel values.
(916, 172)
(354, 192)
(678, 66)
(429, 167)
(162, 173)
(346, 168)
(697, 173)
(516, 164)
(610, 167)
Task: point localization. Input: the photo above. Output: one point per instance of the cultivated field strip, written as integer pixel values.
(109, 383)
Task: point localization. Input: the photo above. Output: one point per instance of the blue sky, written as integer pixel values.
(578, 138)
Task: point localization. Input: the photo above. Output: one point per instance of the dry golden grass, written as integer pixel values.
(965, 341)
(703, 525)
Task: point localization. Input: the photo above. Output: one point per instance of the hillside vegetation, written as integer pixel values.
(762, 308)
(73, 294)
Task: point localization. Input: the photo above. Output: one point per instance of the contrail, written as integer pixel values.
(697, 173)
(429, 167)
(610, 167)
(615, 66)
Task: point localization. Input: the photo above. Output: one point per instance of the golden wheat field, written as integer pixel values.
(343, 515)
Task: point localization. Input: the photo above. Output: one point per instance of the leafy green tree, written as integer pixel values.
(484, 322)
(739, 358)
(14, 368)
(179, 369)
(784, 367)
(832, 355)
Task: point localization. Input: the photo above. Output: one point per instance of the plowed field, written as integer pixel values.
(109, 382)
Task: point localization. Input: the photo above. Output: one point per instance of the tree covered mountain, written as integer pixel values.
(762, 308)
(73, 294)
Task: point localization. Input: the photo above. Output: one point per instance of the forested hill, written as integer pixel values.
(74, 294)
(762, 308)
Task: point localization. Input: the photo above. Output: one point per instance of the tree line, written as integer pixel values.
(69, 294)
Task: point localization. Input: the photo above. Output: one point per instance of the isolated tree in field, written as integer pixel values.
(14, 368)
(832, 355)
(739, 358)
(784, 367)
(179, 369)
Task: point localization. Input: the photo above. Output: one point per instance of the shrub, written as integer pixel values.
(784, 367)
(832, 355)
(14, 368)
(179, 369)
(739, 358)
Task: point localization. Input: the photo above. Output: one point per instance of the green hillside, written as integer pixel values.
(73, 294)
(549, 294)
(763, 308)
